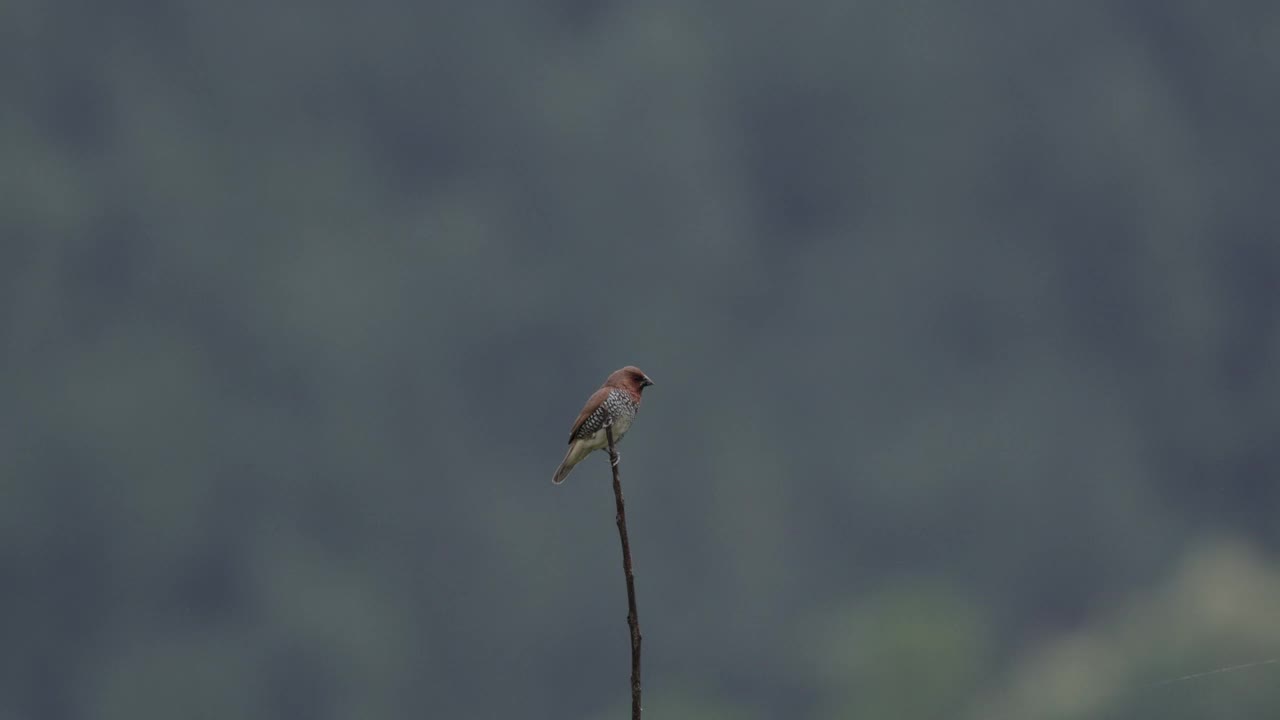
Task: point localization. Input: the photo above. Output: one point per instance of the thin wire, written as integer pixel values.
(1232, 668)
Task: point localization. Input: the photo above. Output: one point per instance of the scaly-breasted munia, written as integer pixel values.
(618, 399)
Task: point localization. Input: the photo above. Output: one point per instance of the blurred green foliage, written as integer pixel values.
(1156, 656)
(965, 320)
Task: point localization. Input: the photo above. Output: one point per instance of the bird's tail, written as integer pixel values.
(571, 458)
(562, 472)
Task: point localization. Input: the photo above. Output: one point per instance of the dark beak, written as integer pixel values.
(646, 382)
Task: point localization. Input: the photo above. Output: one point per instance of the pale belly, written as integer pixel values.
(621, 425)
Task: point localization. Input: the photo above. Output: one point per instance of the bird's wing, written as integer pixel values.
(593, 404)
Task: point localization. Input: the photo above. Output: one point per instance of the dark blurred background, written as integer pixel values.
(964, 317)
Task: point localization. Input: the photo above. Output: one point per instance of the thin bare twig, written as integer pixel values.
(633, 619)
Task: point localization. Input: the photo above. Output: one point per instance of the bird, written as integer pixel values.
(617, 401)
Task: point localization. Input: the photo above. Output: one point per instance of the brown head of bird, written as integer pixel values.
(630, 378)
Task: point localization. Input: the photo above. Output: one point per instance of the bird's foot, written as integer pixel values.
(615, 458)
